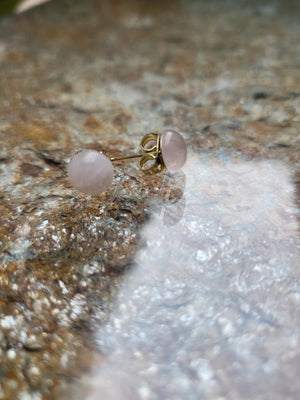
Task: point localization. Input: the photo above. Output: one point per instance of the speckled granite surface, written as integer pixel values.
(165, 287)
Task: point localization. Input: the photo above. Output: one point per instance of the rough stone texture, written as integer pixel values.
(179, 287)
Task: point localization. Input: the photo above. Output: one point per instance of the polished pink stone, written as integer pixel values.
(90, 172)
(173, 149)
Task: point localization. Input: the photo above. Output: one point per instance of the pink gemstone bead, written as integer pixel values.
(90, 172)
(173, 149)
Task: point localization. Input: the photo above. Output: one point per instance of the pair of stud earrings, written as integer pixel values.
(91, 172)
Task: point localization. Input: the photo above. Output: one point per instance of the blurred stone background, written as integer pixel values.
(180, 287)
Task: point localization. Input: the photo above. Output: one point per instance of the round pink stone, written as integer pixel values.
(90, 172)
(173, 149)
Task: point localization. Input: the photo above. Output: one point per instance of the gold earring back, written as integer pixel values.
(151, 161)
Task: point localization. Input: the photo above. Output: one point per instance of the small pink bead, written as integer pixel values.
(90, 172)
(173, 150)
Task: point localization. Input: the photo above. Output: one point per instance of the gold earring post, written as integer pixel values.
(112, 159)
(151, 146)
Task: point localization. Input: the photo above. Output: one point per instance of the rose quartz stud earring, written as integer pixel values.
(91, 172)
